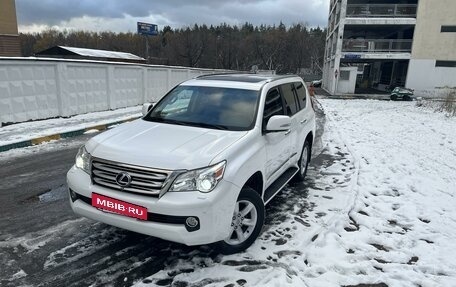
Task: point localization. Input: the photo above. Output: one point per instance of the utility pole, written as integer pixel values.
(216, 50)
(146, 40)
(217, 38)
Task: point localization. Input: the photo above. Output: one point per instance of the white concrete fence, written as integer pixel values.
(32, 89)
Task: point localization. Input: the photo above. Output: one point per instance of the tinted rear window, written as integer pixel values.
(290, 100)
(301, 93)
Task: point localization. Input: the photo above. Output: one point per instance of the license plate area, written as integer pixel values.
(119, 206)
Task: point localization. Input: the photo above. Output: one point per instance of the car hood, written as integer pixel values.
(160, 145)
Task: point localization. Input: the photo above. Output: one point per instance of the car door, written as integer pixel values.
(277, 144)
(292, 110)
(305, 116)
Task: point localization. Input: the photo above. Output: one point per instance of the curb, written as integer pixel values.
(58, 136)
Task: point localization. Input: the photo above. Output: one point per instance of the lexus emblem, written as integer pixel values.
(123, 179)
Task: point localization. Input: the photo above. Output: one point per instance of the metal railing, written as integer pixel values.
(376, 45)
(381, 10)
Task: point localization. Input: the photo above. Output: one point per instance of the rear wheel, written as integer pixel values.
(246, 222)
(303, 162)
(394, 97)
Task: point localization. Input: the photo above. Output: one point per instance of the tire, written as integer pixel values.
(394, 97)
(303, 161)
(248, 198)
(407, 98)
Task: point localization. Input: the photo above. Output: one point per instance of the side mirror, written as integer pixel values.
(147, 107)
(278, 124)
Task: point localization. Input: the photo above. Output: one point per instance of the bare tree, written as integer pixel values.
(280, 48)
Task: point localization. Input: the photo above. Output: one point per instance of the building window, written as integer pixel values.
(448, 29)
(447, 64)
(344, 75)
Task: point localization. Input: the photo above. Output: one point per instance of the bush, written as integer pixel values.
(446, 105)
(449, 104)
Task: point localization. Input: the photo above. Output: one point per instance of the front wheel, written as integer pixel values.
(246, 222)
(303, 162)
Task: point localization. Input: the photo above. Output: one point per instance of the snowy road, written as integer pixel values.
(377, 208)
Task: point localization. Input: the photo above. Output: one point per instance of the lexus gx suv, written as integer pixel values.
(202, 163)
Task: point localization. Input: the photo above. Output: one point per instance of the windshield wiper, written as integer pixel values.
(181, 123)
(167, 121)
(210, 126)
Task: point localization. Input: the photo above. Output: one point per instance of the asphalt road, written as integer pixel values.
(43, 243)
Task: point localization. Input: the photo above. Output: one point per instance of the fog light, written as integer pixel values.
(191, 222)
(73, 195)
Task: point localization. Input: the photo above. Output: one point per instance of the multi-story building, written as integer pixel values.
(9, 38)
(374, 45)
(433, 63)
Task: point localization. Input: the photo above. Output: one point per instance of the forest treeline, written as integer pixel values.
(273, 47)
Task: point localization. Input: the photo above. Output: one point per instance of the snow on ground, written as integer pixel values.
(377, 208)
(296, 218)
(52, 145)
(403, 221)
(29, 130)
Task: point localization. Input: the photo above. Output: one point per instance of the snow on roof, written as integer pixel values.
(101, 53)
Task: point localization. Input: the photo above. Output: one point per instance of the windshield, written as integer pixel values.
(208, 107)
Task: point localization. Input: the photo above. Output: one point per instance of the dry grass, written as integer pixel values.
(446, 105)
(449, 105)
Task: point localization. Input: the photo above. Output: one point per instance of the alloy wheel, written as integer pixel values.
(243, 222)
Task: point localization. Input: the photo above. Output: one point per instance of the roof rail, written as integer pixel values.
(280, 77)
(225, 73)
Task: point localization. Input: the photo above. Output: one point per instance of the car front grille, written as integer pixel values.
(144, 180)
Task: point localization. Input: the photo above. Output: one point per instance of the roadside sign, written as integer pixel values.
(352, 56)
(147, 29)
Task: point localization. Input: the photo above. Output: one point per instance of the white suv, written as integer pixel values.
(202, 163)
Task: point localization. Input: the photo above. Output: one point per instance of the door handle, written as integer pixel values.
(303, 121)
(287, 132)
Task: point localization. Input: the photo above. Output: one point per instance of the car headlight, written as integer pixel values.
(83, 160)
(203, 180)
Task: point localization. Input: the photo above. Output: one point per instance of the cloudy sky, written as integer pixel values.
(122, 15)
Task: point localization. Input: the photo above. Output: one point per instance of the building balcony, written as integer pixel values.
(381, 10)
(377, 45)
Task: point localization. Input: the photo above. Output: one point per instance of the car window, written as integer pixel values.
(273, 105)
(290, 99)
(179, 103)
(207, 107)
(301, 93)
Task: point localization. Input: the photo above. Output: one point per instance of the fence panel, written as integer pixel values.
(86, 89)
(32, 89)
(127, 84)
(157, 84)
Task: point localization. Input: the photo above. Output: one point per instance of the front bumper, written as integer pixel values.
(214, 210)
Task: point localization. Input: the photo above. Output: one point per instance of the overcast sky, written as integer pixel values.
(122, 15)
